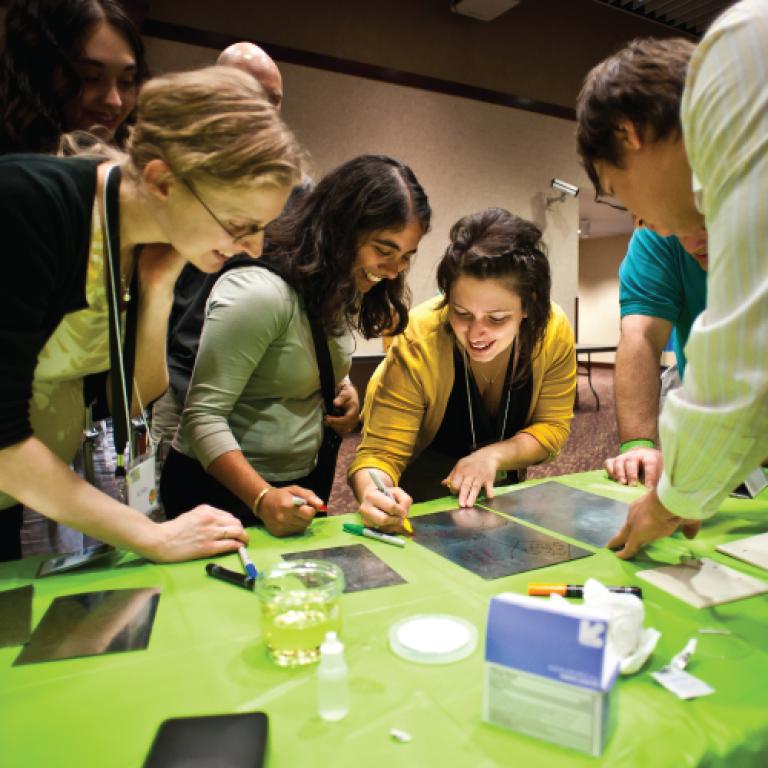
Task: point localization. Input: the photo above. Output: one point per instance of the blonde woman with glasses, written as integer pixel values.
(208, 166)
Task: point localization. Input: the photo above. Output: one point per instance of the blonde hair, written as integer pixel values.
(213, 124)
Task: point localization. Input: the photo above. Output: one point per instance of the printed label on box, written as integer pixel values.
(548, 671)
(537, 706)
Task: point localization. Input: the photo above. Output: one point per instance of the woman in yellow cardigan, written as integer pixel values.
(480, 385)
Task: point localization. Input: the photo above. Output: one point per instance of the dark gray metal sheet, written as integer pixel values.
(489, 545)
(74, 560)
(92, 623)
(362, 568)
(581, 515)
(15, 616)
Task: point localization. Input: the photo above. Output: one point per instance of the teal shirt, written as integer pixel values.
(659, 278)
(256, 386)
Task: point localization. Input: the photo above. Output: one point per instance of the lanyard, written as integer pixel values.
(507, 389)
(121, 355)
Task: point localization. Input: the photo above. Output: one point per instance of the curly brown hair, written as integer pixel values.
(494, 244)
(314, 243)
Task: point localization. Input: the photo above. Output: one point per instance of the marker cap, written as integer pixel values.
(355, 528)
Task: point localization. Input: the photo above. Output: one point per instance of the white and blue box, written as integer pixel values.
(548, 671)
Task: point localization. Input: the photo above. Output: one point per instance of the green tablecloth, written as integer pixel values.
(206, 655)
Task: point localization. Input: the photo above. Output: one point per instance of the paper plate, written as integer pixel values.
(433, 638)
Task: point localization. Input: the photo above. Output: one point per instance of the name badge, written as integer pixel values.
(142, 484)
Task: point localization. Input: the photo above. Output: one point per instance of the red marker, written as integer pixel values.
(299, 502)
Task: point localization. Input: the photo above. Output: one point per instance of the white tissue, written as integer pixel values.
(626, 636)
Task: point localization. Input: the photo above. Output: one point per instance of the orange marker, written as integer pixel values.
(575, 590)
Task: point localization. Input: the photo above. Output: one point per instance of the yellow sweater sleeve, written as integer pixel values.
(554, 371)
(392, 414)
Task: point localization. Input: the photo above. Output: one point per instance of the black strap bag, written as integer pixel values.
(325, 469)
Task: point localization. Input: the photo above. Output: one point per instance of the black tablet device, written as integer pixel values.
(234, 741)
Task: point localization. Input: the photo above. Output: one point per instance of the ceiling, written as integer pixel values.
(691, 17)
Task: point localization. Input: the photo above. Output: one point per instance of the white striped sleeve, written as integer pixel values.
(714, 429)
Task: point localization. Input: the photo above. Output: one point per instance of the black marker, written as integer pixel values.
(239, 579)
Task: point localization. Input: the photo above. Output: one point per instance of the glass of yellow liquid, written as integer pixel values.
(299, 604)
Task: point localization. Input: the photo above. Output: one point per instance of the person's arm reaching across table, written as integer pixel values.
(68, 499)
(392, 418)
(637, 399)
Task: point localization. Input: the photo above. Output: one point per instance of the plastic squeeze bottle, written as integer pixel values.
(332, 680)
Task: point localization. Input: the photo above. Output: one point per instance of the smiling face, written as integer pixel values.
(384, 254)
(233, 222)
(485, 316)
(653, 182)
(107, 68)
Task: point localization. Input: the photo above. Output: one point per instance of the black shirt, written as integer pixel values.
(453, 440)
(45, 221)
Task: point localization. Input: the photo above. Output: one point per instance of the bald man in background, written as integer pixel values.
(256, 62)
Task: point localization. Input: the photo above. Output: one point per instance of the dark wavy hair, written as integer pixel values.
(642, 83)
(38, 77)
(314, 243)
(494, 244)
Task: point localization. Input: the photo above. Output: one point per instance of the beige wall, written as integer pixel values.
(467, 154)
(599, 318)
(599, 260)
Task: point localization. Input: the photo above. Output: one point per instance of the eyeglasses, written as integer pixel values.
(237, 235)
(612, 201)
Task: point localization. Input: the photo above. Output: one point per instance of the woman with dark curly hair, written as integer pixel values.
(253, 424)
(481, 384)
(67, 65)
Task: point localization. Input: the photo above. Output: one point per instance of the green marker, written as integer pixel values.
(361, 530)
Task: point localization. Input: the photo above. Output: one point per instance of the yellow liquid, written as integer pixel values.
(294, 632)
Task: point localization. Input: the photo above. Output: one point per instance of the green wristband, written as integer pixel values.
(630, 444)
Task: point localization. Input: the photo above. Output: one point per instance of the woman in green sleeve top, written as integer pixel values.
(480, 385)
(253, 421)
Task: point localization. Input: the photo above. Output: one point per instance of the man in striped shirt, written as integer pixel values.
(680, 136)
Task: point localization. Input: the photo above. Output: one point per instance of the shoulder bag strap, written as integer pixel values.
(324, 365)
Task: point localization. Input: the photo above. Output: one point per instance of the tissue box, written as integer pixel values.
(548, 672)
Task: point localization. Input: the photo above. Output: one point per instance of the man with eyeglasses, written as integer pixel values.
(662, 287)
(680, 137)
